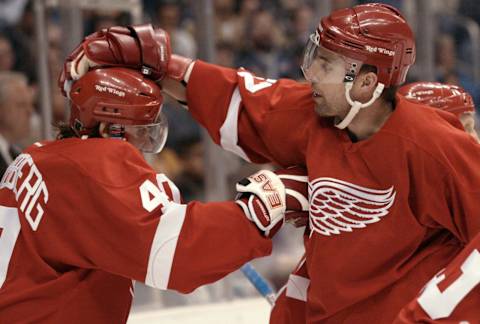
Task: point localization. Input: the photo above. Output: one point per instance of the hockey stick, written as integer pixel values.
(259, 282)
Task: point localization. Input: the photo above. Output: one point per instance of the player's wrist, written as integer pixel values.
(179, 68)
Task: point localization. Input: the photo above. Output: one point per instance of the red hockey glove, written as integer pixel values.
(270, 198)
(138, 47)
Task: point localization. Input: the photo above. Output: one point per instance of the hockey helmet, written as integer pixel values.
(374, 34)
(129, 103)
(448, 97)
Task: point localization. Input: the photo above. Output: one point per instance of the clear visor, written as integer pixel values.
(148, 138)
(322, 66)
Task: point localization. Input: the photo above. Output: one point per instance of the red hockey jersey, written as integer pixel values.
(81, 219)
(386, 213)
(452, 296)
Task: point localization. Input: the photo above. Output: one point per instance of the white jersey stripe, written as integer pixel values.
(10, 229)
(164, 245)
(229, 129)
(297, 287)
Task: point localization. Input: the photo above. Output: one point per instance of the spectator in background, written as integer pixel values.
(302, 22)
(183, 155)
(98, 19)
(16, 106)
(470, 9)
(169, 18)
(228, 25)
(340, 4)
(191, 180)
(22, 38)
(449, 69)
(11, 11)
(394, 3)
(225, 54)
(262, 55)
(446, 57)
(7, 57)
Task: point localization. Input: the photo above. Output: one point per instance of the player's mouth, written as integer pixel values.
(316, 94)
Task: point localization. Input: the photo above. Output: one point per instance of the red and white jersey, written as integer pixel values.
(386, 213)
(81, 219)
(452, 296)
(290, 304)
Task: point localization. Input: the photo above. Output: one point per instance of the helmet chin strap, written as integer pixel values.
(357, 105)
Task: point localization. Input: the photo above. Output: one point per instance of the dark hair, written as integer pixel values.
(65, 131)
(388, 94)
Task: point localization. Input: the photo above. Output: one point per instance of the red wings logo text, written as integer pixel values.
(337, 206)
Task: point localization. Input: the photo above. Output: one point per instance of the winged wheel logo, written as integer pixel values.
(338, 206)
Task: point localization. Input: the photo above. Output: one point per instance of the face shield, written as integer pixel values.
(148, 138)
(323, 66)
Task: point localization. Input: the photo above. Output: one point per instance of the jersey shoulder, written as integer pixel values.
(283, 95)
(434, 134)
(109, 161)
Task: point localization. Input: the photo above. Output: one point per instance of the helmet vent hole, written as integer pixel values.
(115, 110)
(104, 108)
(76, 90)
(143, 94)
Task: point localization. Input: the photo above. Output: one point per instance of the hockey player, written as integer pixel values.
(393, 187)
(83, 216)
(447, 97)
(454, 293)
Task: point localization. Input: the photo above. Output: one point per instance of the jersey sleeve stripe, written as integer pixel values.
(229, 129)
(9, 230)
(163, 247)
(297, 287)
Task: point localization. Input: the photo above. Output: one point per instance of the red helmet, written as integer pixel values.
(123, 99)
(447, 97)
(375, 34)
(113, 95)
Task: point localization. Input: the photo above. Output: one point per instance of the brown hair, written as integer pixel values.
(66, 131)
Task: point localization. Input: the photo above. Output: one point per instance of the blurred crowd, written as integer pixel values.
(266, 37)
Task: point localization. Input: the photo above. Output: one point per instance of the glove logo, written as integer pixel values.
(338, 206)
(273, 196)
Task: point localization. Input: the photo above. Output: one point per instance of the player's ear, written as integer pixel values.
(369, 81)
(364, 85)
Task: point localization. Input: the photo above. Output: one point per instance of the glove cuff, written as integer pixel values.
(178, 67)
